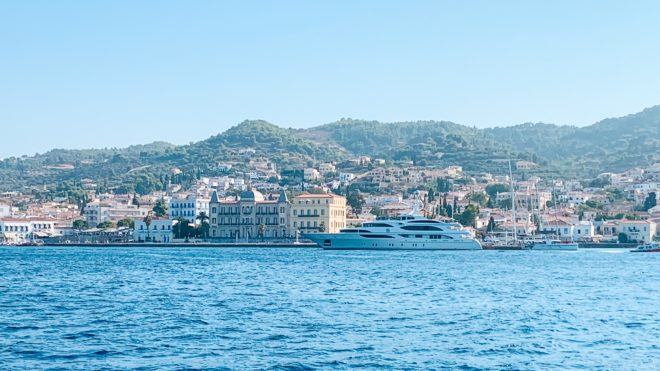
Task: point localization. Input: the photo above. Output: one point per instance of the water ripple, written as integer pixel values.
(306, 309)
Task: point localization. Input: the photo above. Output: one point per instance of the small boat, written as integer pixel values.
(555, 245)
(649, 247)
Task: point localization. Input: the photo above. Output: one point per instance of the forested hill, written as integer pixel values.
(609, 145)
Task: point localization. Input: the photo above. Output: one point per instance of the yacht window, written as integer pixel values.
(421, 228)
(376, 225)
(376, 235)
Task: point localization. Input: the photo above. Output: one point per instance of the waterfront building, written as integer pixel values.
(188, 207)
(569, 229)
(159, 230)
(640, 231)
(250, 215)
(316, 213)
(17, 230)
(103, 211)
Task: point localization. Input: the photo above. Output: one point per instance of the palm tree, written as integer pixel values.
(262, 231)
(204, 218)
(147, 221)
(180, 223)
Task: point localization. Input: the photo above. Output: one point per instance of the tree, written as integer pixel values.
(376, 211)
(623, 238)
(355, 200)
(431, 196)
(469, 216)
(80, 224)
(593, 204)
(449, 210)
(505, 204)
(261, 231)
(106, 225)
(160, 209)
(444, 185)
(479, 198)
(491, 224)
(128, 222)
(493, 189)
(147, 221)
(322, 227)
(182, 228)
(650, 201)
(204, 226)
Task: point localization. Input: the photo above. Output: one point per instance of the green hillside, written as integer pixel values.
(609, 145)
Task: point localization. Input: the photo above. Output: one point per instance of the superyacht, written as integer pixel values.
(404, 232)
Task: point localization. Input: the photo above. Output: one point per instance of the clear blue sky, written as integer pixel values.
(79, 74)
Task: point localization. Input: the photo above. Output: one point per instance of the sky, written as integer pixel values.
(93, 74)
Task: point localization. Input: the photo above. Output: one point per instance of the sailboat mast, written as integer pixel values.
(554, 199)
(513, 203)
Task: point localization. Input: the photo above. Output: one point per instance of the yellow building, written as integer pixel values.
(318, 213)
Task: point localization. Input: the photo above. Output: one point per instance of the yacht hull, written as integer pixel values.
(339, 241)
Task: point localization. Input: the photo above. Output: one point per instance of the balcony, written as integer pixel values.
(308, 216)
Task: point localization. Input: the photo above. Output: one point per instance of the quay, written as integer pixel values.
(182, 244)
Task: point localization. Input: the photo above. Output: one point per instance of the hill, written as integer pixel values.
(609, 145)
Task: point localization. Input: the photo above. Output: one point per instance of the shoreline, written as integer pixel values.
(177, 244)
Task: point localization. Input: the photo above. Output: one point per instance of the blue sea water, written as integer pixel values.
(299, 309)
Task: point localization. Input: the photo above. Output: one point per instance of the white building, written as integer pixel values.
(188, 207)
(574, 199)
(311, 175)
(15, 230)
(5, 210)
(641, 231)
(160, 230)
(382, 200)
(569, 229)
(326, 168)
(346, 178)
(99, 212)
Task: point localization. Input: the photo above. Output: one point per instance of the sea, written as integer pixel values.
(305, 309)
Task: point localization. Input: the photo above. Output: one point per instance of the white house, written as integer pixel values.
(160, 230)
(189, 207)
(311, 175)
(326, 168)
(5, 210)
(640, 231)
(569, 229)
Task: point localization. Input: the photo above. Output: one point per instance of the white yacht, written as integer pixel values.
(406, 232)
(554, 245)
